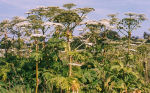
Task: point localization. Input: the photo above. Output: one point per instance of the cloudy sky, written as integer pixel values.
(10, 8)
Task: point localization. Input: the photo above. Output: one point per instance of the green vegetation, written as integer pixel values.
(41, 54)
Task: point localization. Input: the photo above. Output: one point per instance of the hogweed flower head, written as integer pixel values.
(132, 50)
(5, 23)
(75, 64)
(23, 24)
(19, 18)
(52, 24)
(130, 14)
(105, 22)
(89, 22)
(37, 35)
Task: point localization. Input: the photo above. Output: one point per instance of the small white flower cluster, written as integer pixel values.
(132, 50)
(70, 40)
(10, 39)
(130, 14)
(5, 21)
(138, 42)
(133, 44)
(28, 12)
(142, 16)
(19, 18)
(37, 35)
(81, 29)
(27, 39)
(84, 17)
(58, 24)
(90, 44)
(87, 42)
(47, 24)
(41, 7)
(52, 24)
(134, 16)
(106, 23)
(75, 64)
(90, 22)
(111, 27)
(103, 22)
(23, 24)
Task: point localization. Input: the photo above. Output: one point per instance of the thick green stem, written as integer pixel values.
(69, 50)
(129, 37)
(146, 71)
(5, 45)
(19, 47)
(70, 58)
(37, 80)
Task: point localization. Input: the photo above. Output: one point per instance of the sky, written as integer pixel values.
(11, 8)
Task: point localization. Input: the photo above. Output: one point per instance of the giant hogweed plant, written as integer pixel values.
(91, 62)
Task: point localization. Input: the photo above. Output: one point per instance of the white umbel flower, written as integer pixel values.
(21, 24)
(27, 39)
(84, 17)
(92, 23)
(105, 22)
(47, 24)
(138, 42)
(5, 21)
(37, 35)
(89, 22)
(52, 24)
(90, 44)
(10, 39)
(85, 41)
(75, 64)
(80, 29)
(41, 7)
(133, 44)
(142, 16)
(58, 24)
(111, 27)
(20, 18)
(130, 14)
(81, 23)
(132, 50)
(28, 13)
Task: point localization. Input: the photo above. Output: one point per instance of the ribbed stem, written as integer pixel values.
(146, 70)
(69, 50)
(37, 80)
(70, 59)
(5, 45)
(129, 37)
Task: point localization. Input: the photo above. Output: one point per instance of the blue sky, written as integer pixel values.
(10, 8)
